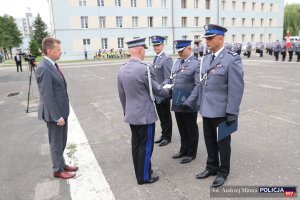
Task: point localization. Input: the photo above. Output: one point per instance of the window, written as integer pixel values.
(100, 2)
(86, 44)
(82, 3)
(244, 6)
(262, 7)
(196, 3)
(207, 20)
(253, 6)
(164, 3)
(84, 22)
(183, 21)
(252, 21)
(119, 22)
(183, 3)
(184, 37)
(233, 22)
(196, 37)
(150, 21)
(271, 7)
(207, 4)
(102, 22)
(120, 42)
(261, 37)
(196, 21)
(233, 5)
(135, 23)
(243, 38)
(118, 3)
(233, 38)
(223, 5)
(270, 37)
(243, 21)
(149, 3)
(223, 21)
(133, 3)
(166, 40)
(252, 37)
(104, 43)
(270, 22)
(164, 22)
(261, 22)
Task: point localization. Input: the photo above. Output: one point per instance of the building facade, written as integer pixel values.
(107, 24)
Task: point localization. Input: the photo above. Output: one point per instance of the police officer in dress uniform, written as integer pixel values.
(185, 76)
(222, 87)
(276, 49)
(162, 65)
(248, 49)
(138, 108)
(297, 49)
(283, 49)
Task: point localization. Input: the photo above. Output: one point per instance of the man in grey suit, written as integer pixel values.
(54, 105)
(185, 74)
(222, 89)
(162, 65)
(135, 86)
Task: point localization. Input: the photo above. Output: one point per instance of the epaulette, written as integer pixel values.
(144, 63)
(232, 53)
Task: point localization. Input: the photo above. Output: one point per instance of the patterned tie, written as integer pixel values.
(61, 74)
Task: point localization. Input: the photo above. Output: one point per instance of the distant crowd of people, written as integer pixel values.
(271, 48)
(112, 53)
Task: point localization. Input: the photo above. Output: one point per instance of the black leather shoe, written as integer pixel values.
(164, 142)
(205, 174)
(218, 181)
(187, 159)
(151, 180)
(159, 140)
(178, 155)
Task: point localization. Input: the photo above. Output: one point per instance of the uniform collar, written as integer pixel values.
(218, 52)
(134, 58)
(158, 55)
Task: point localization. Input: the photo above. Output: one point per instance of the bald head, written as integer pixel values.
(137, 52)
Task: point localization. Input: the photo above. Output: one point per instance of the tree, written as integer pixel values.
(292, 19)
(10, 36)
(34, 47)
(39, 30)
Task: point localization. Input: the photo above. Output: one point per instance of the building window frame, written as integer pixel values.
(118, 3)
(120, 42)
(207, 4)
(86, 43)
(163, 3)
(164, 21)
(84, 22)
(183, 21)
(150, 21)
(104, 43)
(119, 21)
(82, 3)
(133, 3)
(196, 4)
(102, 22)
(135, 21)
(149, 3)
(196, 21)
(100, 3)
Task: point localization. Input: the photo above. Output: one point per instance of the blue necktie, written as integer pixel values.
(212, 58)
(155, 59)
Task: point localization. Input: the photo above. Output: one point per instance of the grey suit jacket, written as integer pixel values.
(162, 68)
(187, 79)
(54, 101)
(224, 87)
(134, 93)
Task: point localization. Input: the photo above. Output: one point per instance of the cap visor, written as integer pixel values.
(181, 49)
(206, 36)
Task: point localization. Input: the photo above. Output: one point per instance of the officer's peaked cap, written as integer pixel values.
(156, 39)
(136, 43)
(181, 44)
(213, 29)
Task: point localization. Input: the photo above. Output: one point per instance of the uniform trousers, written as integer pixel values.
(298, 56)
(283, 54)
(165, 117)
(291, 55)
(142, 148)
(276, 53)
(189, 133)
(215, 149)
(57, 136)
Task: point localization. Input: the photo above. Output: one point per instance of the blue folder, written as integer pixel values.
(179, 96)
(223, 130)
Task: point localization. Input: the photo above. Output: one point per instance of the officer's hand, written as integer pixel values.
(230, 118)
(60, 122)
(184, 106)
